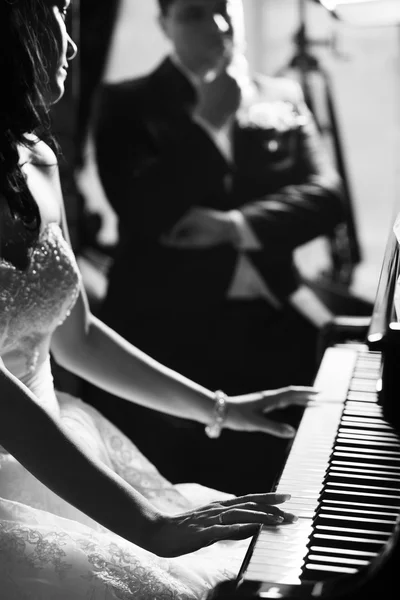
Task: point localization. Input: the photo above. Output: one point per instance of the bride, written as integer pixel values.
(83, 514)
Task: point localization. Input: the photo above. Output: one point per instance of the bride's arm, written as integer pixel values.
(37, 440)
(87, 347)
(90, 349)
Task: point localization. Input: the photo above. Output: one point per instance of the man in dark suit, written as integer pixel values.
(217, 177)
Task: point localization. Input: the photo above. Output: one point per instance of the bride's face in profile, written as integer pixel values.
(59, 57)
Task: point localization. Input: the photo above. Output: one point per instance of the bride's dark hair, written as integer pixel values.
(25, 38)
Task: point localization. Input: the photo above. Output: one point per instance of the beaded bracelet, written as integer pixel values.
(220, 411)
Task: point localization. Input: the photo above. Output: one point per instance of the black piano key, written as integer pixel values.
(361, 532)
(355, 430)
(367, 465)
(326, 515)
(327, 507)
(358, 441)
(327, 520)
(354, 478)
(374, 470)
(331, 551)
(353, 498)
(350, 542)
(353, 504)
(382, 459)
(363, 496)
(335, 560)
(367, 434)
(386, 454)
(372, 426)
(371, 490)
(365, 422)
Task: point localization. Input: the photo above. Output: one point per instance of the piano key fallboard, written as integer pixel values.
(343, 474)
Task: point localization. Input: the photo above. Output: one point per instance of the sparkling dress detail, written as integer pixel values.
(49, 550)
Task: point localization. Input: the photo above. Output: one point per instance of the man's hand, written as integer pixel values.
(202, 228)
(218, 99)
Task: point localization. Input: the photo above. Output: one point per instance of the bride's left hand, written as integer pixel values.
(236, 519)
(247, 412)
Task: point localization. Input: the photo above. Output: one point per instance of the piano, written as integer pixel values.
(342, 471)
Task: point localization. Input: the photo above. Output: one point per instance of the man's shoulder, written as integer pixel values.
(125, 89)
(278, 89)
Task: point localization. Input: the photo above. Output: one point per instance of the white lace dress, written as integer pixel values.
(49, 550)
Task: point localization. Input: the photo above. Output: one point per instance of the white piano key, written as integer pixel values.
(253, 574)
(330, 550)
(334, 383)
(289, 532)
(361, 505)
(280, 551)
(357, 562)
(332, 569)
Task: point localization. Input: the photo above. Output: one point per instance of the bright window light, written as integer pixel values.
(364, 12)
(332, 4)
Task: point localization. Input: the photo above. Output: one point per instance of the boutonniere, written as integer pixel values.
(279, 115)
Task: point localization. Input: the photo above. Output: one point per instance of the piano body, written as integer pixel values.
(342, 471)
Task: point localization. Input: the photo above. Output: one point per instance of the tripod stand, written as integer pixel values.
(343, 244)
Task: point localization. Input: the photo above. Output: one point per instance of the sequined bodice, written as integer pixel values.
(35, 301)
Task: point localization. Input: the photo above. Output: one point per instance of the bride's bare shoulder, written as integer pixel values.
(37, 152)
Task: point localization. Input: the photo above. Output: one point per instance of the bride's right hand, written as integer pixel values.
(236, 519)
(247, 412)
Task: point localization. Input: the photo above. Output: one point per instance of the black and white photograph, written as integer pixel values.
(199, 299)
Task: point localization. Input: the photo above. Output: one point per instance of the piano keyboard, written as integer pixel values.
(343, 474)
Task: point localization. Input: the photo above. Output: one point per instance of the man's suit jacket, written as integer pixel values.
(155, 163)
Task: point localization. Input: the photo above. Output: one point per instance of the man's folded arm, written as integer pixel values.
(311, 206)
(150, 186)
